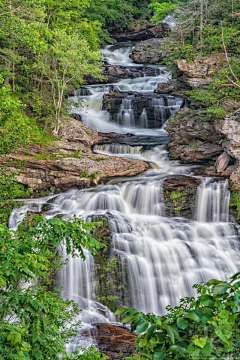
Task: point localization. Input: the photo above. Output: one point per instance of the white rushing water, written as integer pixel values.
(161, 257)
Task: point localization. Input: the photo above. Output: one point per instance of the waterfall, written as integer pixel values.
(213, 201)
(117, 55)
(162, 257)
(126, 115)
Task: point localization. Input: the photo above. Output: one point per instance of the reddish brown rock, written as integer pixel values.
(116, 342)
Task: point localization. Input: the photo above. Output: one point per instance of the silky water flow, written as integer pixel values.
(163, 256)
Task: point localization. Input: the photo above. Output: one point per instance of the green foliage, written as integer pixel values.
(161, 8)
(35, 323)
(89, 354)
(205, 327)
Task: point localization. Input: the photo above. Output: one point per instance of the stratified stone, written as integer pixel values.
(116, 342)
(193, 139)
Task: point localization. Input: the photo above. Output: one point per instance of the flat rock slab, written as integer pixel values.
(69, 162)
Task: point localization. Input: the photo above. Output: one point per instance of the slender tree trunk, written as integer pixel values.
(201, 24)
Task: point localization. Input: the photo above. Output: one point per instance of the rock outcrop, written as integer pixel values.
(147, 52)
(196, 75)
(180, 195)
(69, 162)
(199, 73)
(193, 138)
(231, 130)
(142, 30)
(115, 341)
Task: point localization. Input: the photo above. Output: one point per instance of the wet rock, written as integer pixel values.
(165, 88)
(147, 52)
(199, 73)
(114, 73)
(180, 195)
(142, 30)
(156, 106)
(115, 341)
(193, 138)
(109, 272)
(222, 162)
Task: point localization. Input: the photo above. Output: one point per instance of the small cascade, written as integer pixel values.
(118, 149)
(143, 119)
(213, 201)
(116, 55)
(125, 116)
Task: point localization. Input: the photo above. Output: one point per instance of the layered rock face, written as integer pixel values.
(147, 52)
(70, 162)
(231, 130)
(142, 30)
(115, 341)
(193, 139)
(198, 74)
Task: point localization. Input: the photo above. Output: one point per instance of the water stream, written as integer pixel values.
(162, 256)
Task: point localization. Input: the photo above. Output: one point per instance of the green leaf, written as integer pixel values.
(224, 314)
(192, 316)
(206, 300)
(151, 331)
(200, 342)
(170, 332)
(179, 350)
(220, 288)
(182, 323)
(159, 356)
(142, 326)
(121, 311)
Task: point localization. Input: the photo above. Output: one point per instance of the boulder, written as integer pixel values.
(165, 88)
(222, 162)
(117, 342)
(147, 52)
(199, 73)
(142, 30)
(193, 138)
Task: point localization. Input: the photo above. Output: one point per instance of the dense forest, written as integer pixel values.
(49, 48)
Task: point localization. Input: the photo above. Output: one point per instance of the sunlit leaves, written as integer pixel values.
(200, 328)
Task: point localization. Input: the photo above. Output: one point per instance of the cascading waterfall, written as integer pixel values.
(163, 256)
(126, 116)
(213, 201)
